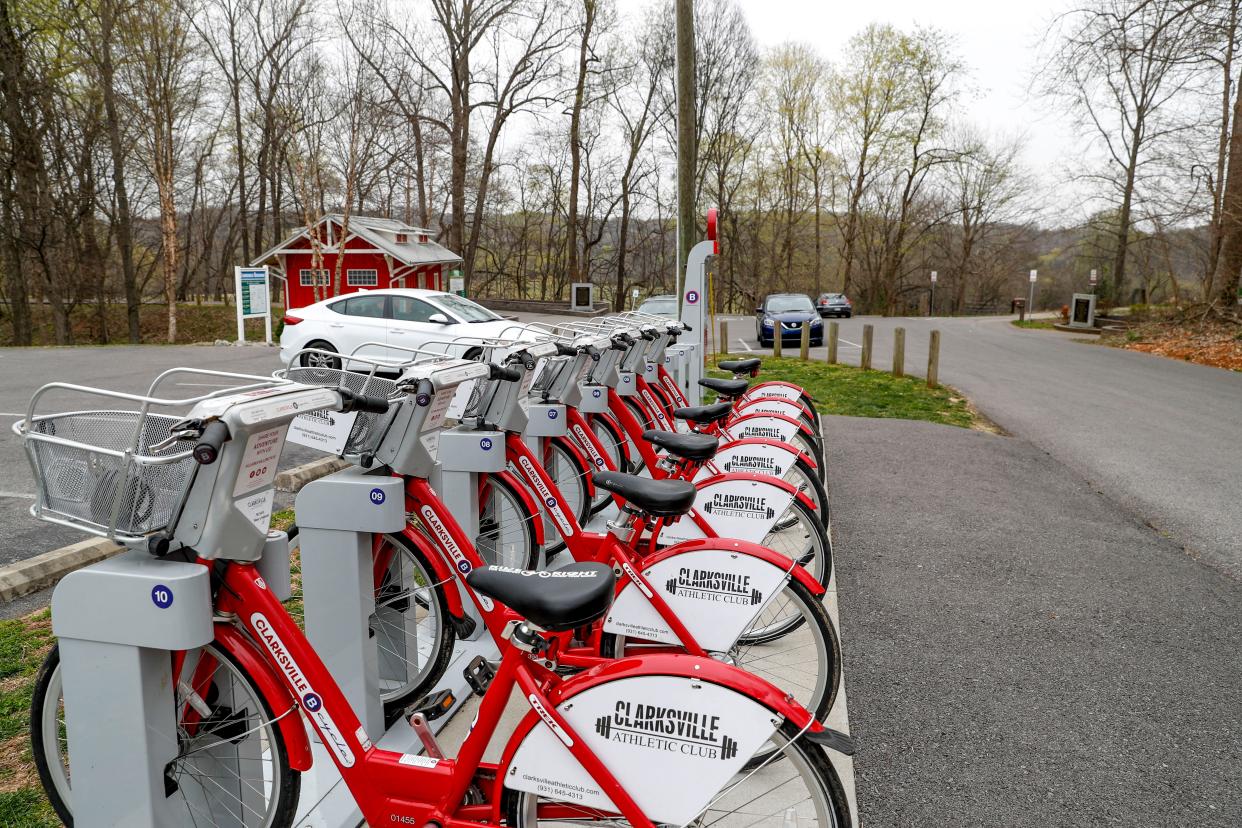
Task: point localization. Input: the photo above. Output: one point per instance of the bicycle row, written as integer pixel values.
(654, 655)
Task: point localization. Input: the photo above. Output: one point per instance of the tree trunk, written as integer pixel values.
(116, 146)
(1229, 264)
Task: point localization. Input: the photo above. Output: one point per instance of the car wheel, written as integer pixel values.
(848, 315)
(473, 354)
(320, 360)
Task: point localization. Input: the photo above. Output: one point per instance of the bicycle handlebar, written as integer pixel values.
(362, 402)
(214, 436)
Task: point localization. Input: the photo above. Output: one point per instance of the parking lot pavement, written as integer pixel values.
(122, 368)
(1020, 649)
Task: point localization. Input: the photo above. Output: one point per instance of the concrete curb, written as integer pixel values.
(43, 571)
(292, 480)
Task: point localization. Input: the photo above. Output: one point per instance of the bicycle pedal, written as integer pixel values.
(432, 706)
(479, 674)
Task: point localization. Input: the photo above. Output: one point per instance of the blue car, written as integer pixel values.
(787, 311)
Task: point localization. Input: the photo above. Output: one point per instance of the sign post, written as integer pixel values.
(457, 283)
(1094, 277)
(931, 303)
(253, 300)
(1030, 302)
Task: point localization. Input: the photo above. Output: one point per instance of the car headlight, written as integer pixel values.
(815, 323)
(767, 320)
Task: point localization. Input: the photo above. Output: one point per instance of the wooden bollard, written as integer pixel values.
(933, 360)
(833, 331)
(724, 337)
(804, 349)
(777, 336)
(868, 331)
(899, 352)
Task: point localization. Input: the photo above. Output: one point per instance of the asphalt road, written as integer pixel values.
(1020, 650)
(1162, 438)
(120, 368)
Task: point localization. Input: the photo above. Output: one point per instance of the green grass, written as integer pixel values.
(24, 643)
(853, 392)
(1040, 324)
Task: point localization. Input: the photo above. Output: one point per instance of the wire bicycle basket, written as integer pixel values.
(104, 470)
(368, 428)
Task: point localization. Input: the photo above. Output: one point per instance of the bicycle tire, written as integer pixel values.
(47, 683)
(524, 554)
(613, 441)
(808, 758)
(573, 487)
(398, 696)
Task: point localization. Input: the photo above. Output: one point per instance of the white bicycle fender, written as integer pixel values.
(761, 425)
(716, 593)
(772, 459)
(673, 743)
(770, 405)
(740, 509)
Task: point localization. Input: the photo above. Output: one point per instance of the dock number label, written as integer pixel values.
(161, 596)
(377, 496)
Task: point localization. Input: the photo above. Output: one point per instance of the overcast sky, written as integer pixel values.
(999, 41)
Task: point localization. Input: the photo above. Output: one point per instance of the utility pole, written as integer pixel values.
(687, 151)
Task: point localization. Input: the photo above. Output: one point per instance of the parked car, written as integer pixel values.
(787, 311)
(834, 304)
(407, 317)
(662, 305)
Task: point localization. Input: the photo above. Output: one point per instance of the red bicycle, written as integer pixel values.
(652, 739)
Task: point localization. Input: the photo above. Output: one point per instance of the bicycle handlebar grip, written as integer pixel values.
(649, 336)
(565, 350)
(507, 374)
(207, 449)
(361, 402)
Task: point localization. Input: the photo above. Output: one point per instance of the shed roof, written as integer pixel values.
(380, 232)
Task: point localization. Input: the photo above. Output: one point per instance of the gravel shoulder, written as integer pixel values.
(1022, 650)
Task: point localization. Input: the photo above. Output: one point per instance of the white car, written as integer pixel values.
(405, 317)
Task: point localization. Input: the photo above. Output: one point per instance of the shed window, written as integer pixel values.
(402, 238)
(307, 278)
(362, 278)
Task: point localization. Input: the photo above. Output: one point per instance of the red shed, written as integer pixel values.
(379, 253)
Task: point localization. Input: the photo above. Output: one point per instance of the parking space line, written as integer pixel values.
(744, 345)
(851, 344)
(17, 495)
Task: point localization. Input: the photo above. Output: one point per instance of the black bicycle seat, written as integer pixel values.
(739, 366)
(685, 446)
(725, 387)
(703, 414)
(554, 600)
(658, 498)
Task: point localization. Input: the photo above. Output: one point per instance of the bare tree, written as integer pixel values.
(1119, 66)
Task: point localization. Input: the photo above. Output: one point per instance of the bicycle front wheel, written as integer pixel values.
(232, 765)
(760, 796)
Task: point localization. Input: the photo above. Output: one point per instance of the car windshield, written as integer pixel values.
(466, 310)
(785, 304)
(659, 307)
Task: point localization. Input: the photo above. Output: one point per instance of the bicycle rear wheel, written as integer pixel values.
(506, 526)
(413, 634)
(759, 796)
(569, 473)
(232, 766)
